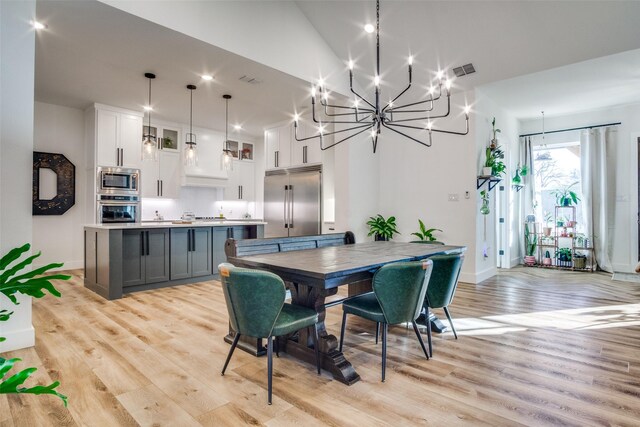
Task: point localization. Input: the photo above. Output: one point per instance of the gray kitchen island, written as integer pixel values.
(130, 257)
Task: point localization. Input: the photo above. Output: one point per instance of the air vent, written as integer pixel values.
(464, 70)
(250, 80)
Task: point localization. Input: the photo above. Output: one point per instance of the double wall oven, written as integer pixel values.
(118, 192)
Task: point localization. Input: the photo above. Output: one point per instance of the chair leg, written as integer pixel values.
(342, 329)
(446, 311)
(233, 347)
(428, 322)
(316, 346)
(424, 349)
(276, 346)
(269, 367)
(384, 349)
(377, 331)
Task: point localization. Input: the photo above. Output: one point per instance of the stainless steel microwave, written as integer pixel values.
(116, 209)
(118, 181)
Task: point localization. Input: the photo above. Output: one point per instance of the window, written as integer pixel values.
(555, 168)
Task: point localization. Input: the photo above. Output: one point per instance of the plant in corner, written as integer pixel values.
(548, 219)
(494, 161)
(426, 234)
(34, 284)
(382, 229)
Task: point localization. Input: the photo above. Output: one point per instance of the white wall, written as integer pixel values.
(60, 129)
(505, 203)
(415, 183)
(624, 226)
(17, 62)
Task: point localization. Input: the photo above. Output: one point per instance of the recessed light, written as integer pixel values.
(237, 127)
(38, 25)
(148, 108)
(207, 77)
(369, 28)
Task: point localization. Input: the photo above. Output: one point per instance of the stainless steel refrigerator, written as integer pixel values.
(293, 202)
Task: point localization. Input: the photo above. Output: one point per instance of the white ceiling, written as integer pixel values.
(503, 39)
(92, 52)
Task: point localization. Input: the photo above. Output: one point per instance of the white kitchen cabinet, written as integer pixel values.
(305, 152)
(271, 143)
(118, 137)
(242, 183)
(161, 178)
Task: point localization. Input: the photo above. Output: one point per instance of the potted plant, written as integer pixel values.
(566, 197)
(425, 234)
(579, 261)
(494, 161)
(547, 258)
(381, 228)
(484, 209)
(517, 180)
(530, 244)
(564, 257)
(560, 221)
(34, 284)
(495, 131)
(548, 219)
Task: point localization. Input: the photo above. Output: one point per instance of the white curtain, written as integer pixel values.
(598, 191)
(529, 190)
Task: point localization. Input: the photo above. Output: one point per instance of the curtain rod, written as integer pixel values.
(569, 130)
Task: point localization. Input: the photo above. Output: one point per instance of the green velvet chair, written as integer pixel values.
(255, 302)
(442, 288)
(398, 295)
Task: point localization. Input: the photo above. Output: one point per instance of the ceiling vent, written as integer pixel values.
(250, 80)
(464, 70)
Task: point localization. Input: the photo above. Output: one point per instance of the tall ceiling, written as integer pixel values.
(92, 52)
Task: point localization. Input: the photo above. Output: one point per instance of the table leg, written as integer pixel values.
(301, 346)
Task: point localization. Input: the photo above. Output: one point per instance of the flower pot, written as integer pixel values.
(486, 171)
(529, 260)
(546, 261)
(566, 202)
(571, 224)
(547, 231)
(579, 262)
(379, 238)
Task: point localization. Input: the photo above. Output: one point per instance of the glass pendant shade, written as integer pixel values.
(226, 160)
(190, 155)
(149, 148)
(149, 141)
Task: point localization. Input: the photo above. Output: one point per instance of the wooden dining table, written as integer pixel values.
(313, 275)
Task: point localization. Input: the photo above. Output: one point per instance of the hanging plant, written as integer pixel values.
(484, 209)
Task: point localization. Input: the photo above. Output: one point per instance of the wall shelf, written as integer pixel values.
(517, 187)
(483, 179)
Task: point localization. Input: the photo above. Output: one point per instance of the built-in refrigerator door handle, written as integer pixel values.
(286, 206)
(290, 206)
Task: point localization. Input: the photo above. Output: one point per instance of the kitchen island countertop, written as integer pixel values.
(170, 224)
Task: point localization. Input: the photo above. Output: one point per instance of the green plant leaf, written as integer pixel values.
(13, 255)
(11, 384)
(19, 266)
(4, 315)
(32, 287)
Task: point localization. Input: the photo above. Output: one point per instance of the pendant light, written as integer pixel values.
(190, 154)
(226, 158)
(149, 141)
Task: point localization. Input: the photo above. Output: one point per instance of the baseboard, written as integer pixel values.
(15, 340)
(68, 265)
(626, 277)
(478, 277)
(515, 262)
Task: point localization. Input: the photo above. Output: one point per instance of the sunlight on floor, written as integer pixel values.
(611, 316)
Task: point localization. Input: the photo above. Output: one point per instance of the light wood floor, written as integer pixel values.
(535, 348)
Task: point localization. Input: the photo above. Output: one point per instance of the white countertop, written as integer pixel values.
(170, 224)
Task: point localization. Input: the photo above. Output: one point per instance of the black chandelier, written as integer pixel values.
(374, 116)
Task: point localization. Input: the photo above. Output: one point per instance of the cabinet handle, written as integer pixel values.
(142, 243)
(147, 233)
(161, 187)
(193, 240)
(157, 187)
(275, 162)
(239, 193)
(242, 192)
(304, 154)
(121, 156)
